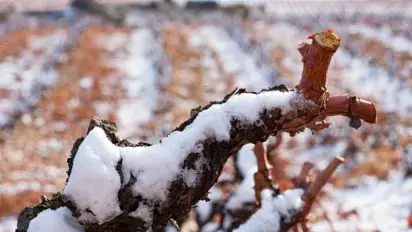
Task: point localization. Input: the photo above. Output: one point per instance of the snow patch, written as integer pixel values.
(137, 68)
(50, 220)
(273, 210)
(384, 35)
(8, 224)
(244, 193)
(374, 202)
(94, 181)
(234, 60)
(24, 77)
(204, 208)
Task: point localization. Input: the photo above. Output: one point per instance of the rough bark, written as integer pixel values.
(181, 197)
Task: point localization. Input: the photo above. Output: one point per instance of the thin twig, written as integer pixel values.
(314, 188)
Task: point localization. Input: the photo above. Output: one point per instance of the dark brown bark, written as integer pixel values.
(181, 198)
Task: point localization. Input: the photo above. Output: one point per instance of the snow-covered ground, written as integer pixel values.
(378, 205)
(158, 86)
(24, 76)
(134, 57)
(234, 60)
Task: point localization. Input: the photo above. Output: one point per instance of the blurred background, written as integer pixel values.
(146, 63)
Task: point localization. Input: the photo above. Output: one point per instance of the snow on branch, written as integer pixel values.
(275, 211)
(281, 212)
(114, 185)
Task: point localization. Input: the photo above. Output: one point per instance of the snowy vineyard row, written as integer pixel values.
(148, 78)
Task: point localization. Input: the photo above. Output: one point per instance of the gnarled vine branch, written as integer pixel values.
(152, 184)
